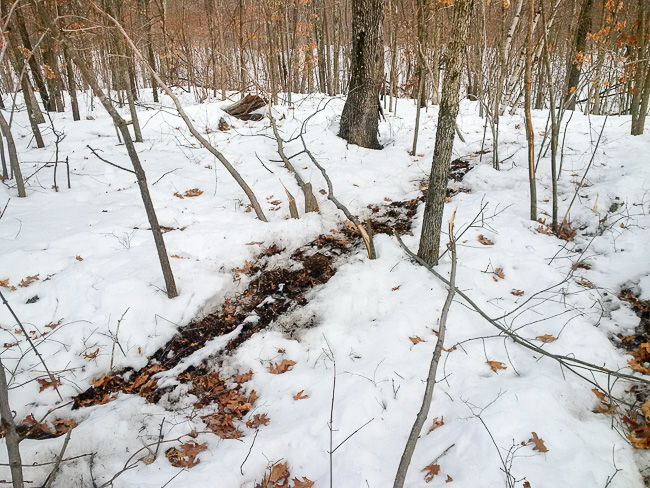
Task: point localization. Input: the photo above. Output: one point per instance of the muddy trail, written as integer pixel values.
(271, 292)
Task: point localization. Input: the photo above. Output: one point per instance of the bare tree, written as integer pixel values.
(432, 226)
(360, 117)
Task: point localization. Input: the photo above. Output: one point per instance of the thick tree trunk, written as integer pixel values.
(432, 225)
(360, 117)
(579, 44)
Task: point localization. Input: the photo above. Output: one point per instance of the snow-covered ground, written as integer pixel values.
(95, 262)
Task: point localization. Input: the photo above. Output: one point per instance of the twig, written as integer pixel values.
(108, 162)
(433, 368)
(115, 340)
(5, 208)
(345, 440)
(241, 467)
(11, 435)
(370, 246)
(52, 475)
(31, 344)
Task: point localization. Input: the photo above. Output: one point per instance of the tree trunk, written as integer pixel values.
(433, 210)
(13, 156)
(579, 44)
(360, 117)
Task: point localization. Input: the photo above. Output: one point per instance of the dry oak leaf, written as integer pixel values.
(282, 367)
(496, 365)
(178, 195)
(62, 426)
(437, 423)
(449, 479)
(79, 258)
(91, 355)
(485, 241)
(300, 396)
(243, 378)
(539, 443)
(516, 292)
(28, 281)
(194, 192)
(499, 272)
(4, 283)
(546, 338)
(278, 472)
(416, 339)
(46, 383)
(305, 483)
(185, 457)
(527, 484)
(258, 420)
(431, 470)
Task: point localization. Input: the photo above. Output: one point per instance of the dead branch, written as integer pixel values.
(311, 205)
(367, 239)
(567, 362)
(11, 435)
(433, 368)
(108, 162)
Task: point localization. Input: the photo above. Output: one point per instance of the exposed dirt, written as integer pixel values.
(272, 291)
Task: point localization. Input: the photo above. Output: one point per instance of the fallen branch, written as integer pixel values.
(565, 361)
(108, 162)
(367, 238)
(11, 435)
(311, 205)
(433, 368)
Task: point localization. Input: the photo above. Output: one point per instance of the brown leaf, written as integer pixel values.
(395, 288)
(62, 426)
(10, 344)
(194, 192)
(253, 243)
(431, 470)
(4, 283)
(53, 325)
(276, 202)
(278, 472)
(305, 483)
(185, 457)
(300, 396)
(516, 292)
(91, 355)
(282, 367)
(222, 425)
(527, 484)
(416, 339)
(46, 383)
(485, 241)
(449, 350)
(449, 479)
(178, 195)
(28, 281)
(243, 378)
(258, 420)
(437, 422)
(499, 272)
(539, 443)
(79, 258)
(496, 365)
(546, 338)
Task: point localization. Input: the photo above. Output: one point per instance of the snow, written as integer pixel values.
(359, 322)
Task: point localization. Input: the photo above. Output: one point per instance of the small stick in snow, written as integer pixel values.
(115, 340)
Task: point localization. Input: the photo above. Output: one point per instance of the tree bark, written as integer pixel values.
(360, 117)
(579, 44)
(433, 210)
(11, 435)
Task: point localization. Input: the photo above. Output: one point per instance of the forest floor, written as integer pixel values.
(288, 354)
